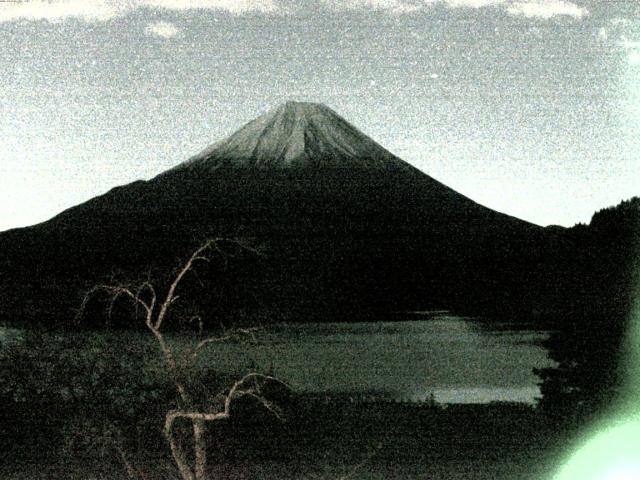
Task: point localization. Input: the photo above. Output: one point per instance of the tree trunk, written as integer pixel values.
(200, 448)
(178, 455)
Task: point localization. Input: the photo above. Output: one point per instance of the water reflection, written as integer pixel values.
(455, 359)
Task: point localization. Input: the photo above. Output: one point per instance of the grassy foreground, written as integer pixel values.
(338, 439)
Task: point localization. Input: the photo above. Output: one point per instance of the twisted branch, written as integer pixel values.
(145, 296)
(198, 419)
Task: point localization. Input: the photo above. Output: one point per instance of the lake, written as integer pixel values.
(456, 360)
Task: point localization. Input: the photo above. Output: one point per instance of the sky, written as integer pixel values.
(530, 107)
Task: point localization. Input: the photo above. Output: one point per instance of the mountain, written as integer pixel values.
(347, 229)
(296, 135)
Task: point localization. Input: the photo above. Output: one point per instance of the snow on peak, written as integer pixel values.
(296, 134)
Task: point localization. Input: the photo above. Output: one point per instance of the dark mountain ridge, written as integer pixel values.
(347, 230)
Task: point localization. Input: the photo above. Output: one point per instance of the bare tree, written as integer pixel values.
(155, 311)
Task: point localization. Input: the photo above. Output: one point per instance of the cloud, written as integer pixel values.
(634, 57)
(473, 3)
(102, 10)
(620, 21)
(57, 10)
(389, 6)
(627, 44)
(237, 7)
(404, 6)
(632, 50)
(546, 9)
(603, 34)
(161, 29)
(621, 35)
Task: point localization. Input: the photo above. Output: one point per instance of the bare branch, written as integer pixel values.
(178, 454)
(203, 343)
(195, 351)
(243, 244)
(236, 389)
(114, 292)
(362, 463)
(145, 296)
(148, 286)
(270, 406)
(197, 318)
(197, 418)
(195, 256)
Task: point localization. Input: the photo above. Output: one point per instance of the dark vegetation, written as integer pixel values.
(102, 399)
(600, 271)
(68, 396)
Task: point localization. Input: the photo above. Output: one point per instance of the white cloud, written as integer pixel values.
(628, 44)
(546, 9)
(404, 6)
(632, 49)
(617, 34)
(634, 57)
(101, 10)
(162, 29)
(237, 7)
(390, 6)
(473, 3)
(620, 21)
(603, 34)
(57, 10)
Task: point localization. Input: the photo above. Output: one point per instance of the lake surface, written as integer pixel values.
(455, 359)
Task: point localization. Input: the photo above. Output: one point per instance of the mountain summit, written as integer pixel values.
(349, 230)
(296, 134)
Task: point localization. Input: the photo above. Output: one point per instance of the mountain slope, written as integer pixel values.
(346, 228)
(296, 135)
